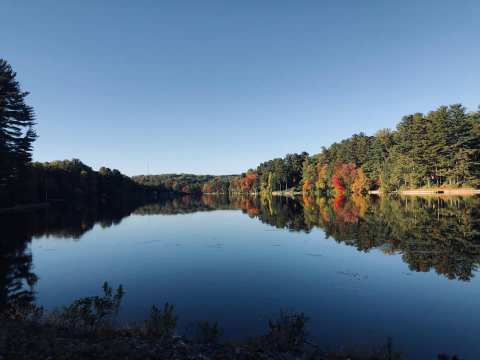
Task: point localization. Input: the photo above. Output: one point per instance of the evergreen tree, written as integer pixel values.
(16, 133)
(461, 144)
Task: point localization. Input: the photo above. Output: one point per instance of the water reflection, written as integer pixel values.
(16, 276)
(17, 279)
(440, 234)
(432, 233)
(436, 233)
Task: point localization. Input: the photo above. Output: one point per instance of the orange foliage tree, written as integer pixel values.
(248, 182)
(207, 188)
(307, 186)
(360, 182)
(322, 177)
(343, 177)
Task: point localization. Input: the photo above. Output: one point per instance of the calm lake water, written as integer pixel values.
(361, 269)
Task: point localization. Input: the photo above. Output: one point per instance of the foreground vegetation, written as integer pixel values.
(87, 329)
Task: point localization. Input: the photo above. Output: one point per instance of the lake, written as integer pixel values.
(361, 269)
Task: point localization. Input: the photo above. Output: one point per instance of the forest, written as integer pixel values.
(188, 183)
(272, 175)
(437, 149)
(23, 181)
(73, 181)
(440, 149)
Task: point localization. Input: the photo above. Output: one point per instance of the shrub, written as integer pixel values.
(208, 333)
(89, 313)
(287, 333)
(21, 311)
(161, 323)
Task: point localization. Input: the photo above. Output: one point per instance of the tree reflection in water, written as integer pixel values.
(430, 233)
(17, 280)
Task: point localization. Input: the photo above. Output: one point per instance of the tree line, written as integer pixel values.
(73, 181)
(437, 149)
(22, 181)
(441, 148)
(273, 175)
(187, 183)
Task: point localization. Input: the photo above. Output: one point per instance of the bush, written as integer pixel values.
(161, 323)
(287, 333)
(89, 313)
(21, 311)
(208, 333)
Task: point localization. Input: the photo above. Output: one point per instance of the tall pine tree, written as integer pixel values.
(16, 134)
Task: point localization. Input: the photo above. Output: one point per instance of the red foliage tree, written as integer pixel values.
(247, 182)
(338, 185)
(343, 177)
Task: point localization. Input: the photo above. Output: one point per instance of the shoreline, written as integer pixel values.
(440, 192)
(436, 192)
(432, 192)
(406, 192)
(25, 207)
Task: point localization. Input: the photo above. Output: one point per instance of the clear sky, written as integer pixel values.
(220, 86)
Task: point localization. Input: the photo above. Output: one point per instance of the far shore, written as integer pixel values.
(406, 192)
(292, 193)
(440, 191)
(25, 207)
(434, 192)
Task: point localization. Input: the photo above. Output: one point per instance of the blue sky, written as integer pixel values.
(220, 86)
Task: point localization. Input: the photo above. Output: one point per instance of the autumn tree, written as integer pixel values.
(360, 182)
(343, 177)
(309, 175)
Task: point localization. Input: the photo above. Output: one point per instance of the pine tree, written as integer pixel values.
(474, 120)
(16, 132)
(462, 145)
(439, 150)
(24, 147)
